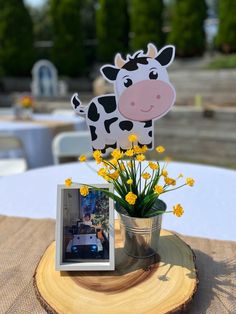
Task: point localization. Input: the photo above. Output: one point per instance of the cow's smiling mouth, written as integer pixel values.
(150, 108)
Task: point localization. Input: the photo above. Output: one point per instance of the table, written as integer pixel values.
(209, 212)
(37, 135)
(209, 205)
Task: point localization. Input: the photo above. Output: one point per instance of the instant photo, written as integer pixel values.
(85, 229)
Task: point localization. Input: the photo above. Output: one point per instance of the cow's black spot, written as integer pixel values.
(107, 123)
(132, 64)
(149, 145)
(108, 103)
(147, 124)
(150, 133)
(93, 132)
(93, 114)
(126, 125)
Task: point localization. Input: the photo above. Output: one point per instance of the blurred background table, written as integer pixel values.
(37, 134)
(209, 205)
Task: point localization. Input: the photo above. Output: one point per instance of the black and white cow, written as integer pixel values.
(143, 93)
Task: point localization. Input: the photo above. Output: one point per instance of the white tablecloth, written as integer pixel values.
(37, 138)
(210, 206)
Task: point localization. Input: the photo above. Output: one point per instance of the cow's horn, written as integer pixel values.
(152, 51)
(119, 62)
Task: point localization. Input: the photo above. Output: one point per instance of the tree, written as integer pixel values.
(187, 27)
(16, 38)
(226, 39)
(68, 47)
(146, 23)
(112, 27)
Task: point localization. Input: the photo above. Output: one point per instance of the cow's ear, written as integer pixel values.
(166, 55)
(109, 72)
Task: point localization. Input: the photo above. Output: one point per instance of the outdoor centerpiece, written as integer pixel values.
(138, 186)
(23, 109)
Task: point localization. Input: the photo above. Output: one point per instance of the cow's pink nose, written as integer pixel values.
(132, 103)
(158, 96)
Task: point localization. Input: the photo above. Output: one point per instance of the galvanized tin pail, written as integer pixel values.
(140, 235)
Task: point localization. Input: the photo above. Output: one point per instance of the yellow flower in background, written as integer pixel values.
(190, 181)
(129, 181)
(170, 181)
(26, 101)
(167, 159)
(160, 149)
(158, 189)
(164, 173)
(144, 148)
(122, 167)
(180, 175)
(153, 165)
(97, 154)
(140, 157)
(146, 176)
(114, 175)
(137, 149)
(98, 160)
(178, 210)
(84, 191)
(129, 152)
(82, 158)
(68, 182)
(132, 138)
(129, 164)
(117, 154)
(131, 198)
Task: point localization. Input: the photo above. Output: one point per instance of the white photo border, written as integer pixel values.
(73, 266)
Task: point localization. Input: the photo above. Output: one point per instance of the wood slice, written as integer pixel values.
(152, 285)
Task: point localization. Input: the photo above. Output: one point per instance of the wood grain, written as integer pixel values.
(136, 286)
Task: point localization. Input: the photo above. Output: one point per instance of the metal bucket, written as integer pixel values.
(140, 235)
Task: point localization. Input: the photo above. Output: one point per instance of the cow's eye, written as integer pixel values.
(153, 75)
(128, 82)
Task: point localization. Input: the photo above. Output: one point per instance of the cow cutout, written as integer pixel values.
(143, 93)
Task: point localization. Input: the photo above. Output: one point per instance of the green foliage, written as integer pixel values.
(68, 48)
(16, 38)
(146, 23)
(112, 27)
(226, 39)
(226, 62)
(187, 27)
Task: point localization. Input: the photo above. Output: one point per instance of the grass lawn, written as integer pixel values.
(224, 62)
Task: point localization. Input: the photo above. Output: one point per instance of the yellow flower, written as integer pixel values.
(146, 176)
(158, 189)
(117, 154)
(180, 175)
(97, 154)
(114, 175)
(140, 157)
(164, 173)
(98, 160)
(132, 138)
(122, 167)
(82, 158)
(114, 162)
(131, 198)
(26, 101)
(129, 181)
(129, 164)
(129, 152)
(137, 149)
(144, 148)
(167, 159)
(68, 182)
(170, 181)
(190, 181)
(102, 172)
(160, 149)
(153, 165)
(178, 210)
(84, 191)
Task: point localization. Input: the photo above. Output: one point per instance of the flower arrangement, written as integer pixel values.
(26, 102)
(138, 183)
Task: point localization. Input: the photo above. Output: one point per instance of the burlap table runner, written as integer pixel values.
(23, 241)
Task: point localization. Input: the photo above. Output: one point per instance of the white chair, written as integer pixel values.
(10, 165)
(71, 144)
